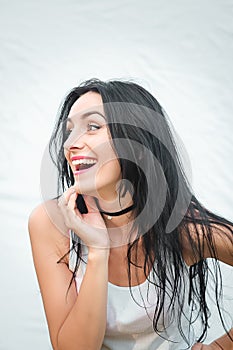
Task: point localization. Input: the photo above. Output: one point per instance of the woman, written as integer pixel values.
(121, 255)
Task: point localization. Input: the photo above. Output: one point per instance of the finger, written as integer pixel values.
(64, 198)
(91, 204)
(68, 193)
(63, 207)
(72, 201)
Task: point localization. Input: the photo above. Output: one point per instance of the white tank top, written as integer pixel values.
(129, 321)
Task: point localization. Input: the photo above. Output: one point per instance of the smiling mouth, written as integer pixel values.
(83, 164)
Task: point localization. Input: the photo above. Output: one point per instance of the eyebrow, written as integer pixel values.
(87, 114)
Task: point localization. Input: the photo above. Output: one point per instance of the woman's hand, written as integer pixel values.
(89, 227)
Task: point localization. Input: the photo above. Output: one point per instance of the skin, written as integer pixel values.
(67, 317)
(87, 140)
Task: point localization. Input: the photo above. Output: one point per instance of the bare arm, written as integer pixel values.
(222, 240)
(76, 322)
(84, 328)
(222, 343)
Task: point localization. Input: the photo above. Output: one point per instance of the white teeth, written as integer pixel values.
(84, 161)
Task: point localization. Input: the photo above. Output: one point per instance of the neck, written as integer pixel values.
(116, 204)
(121, 210)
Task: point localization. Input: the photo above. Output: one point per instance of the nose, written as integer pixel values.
(73, 142)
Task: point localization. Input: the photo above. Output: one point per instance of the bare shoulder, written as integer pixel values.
(46, 226)
(217, 238)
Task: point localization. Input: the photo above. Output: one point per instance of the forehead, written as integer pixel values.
(87, 102)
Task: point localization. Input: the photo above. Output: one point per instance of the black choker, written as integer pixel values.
(117, 213)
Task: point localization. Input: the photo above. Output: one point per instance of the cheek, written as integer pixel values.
(115, 168)
(111, 169)
(110, 166)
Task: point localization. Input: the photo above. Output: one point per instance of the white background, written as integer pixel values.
(180, 50)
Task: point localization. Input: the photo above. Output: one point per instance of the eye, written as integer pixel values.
(68, 131)
(68, 127)
(92, 127)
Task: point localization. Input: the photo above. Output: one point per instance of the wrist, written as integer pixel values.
(98, 254)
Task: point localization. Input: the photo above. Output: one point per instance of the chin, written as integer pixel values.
(105, 190)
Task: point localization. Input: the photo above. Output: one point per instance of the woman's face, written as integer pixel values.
(88, 148)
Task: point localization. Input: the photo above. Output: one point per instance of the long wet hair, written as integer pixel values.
(149, 127)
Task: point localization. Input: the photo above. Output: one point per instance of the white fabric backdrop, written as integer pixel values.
(180, 50)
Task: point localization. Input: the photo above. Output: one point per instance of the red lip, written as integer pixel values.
(81, 157)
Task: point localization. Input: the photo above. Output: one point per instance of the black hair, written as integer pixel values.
(144, 122)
